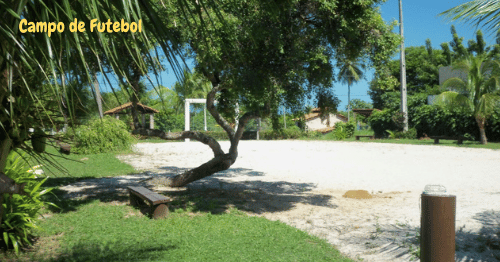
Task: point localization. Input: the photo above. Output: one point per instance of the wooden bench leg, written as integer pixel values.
(135, 200)
(159, 211)
(436, 140)
(357, 137)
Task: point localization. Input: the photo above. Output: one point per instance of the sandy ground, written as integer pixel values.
(301, 183)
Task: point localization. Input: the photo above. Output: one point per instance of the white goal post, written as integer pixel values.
(187, 111)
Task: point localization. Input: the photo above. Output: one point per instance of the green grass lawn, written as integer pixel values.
(103, 232)
(76, 167)
(195, 230)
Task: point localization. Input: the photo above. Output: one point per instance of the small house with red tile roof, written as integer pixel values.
(314, 122)
(143, 109)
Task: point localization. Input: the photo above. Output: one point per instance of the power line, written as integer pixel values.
(354, 95)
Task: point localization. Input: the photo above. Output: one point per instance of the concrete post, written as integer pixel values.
(205, 116)
(186, 117)
(237, 117)
(258, 128)
(151, 121)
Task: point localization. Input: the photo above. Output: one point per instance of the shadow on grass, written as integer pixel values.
(69, 193)
(403, 241)
(114, 252)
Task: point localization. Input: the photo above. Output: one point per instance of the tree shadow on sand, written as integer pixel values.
(216, 195)
(212, 194)
(403, 241)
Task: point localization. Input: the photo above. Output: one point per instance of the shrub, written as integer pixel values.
(313, 134)
(439, 121)
(411, 134)
(392, 100)
(339, 133)
(493, 126)
(380, 121)
(293, 132)
(346, 128)
(342, 130)
(166, 121)
(102, 135)
(217, 135)
(21, 211)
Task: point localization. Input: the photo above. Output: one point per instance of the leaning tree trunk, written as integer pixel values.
(5, 141)
(221, 160)
(5, 147)
(136, 77)
(481, 121)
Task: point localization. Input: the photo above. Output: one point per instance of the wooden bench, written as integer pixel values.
(371, 137)
(460, 139)
(158, 204)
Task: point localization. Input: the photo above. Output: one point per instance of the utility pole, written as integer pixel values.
(98, 96)
(348, 103)
(404, 106)
(284, 116)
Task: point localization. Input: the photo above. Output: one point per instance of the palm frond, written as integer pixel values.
(476, 12)
(350, 72)
(455, 84)
(453, 99)
(486, 105)
(35, 68)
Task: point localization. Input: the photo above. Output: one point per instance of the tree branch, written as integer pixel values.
(209, 168)
(239, 132)
(213, 111)
(207, 140)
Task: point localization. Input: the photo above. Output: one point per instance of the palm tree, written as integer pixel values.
(191, 85)
(351, 71)
(34, 65)
(476, 12)
(480, 93)
(161, 98)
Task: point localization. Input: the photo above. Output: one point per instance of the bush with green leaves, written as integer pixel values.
(344, 130)
(292, 132)
(101, 136)
(21, 211)
(380, 121)
(167, 121)
(493, 126)
(392, 100)
(217, 135)
(439, 121)
(410, 134)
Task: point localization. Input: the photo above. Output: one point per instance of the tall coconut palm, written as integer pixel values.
(351, 71)
(480, 93)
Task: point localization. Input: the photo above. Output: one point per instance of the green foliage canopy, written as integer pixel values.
(265, 58)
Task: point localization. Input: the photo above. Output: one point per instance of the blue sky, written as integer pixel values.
(421, 21)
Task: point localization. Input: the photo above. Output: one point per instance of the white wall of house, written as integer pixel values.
(317, 123)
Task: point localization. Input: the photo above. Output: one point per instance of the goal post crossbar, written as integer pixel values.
(187, 111)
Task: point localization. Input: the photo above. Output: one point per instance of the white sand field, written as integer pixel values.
(303, 183)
